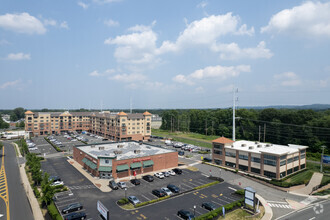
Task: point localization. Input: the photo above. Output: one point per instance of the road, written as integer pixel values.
(19, 207)
(316, 211)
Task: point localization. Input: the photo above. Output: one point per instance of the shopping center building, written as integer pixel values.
(264, 159)
(124, 159)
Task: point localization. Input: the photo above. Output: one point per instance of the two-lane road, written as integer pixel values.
(13, 200)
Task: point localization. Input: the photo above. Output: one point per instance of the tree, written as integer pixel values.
(47, 190)
(13, 117)
(3, 124)
(19, 112)
(21, 124)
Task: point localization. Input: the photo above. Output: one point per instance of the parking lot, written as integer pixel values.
(43, 146)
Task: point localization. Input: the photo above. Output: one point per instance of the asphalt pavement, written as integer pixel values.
(18, 202)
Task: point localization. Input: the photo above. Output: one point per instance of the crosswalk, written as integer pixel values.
(82, 187)
(276, 204)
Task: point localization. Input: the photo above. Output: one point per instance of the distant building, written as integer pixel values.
(156, 121)
(264, 159)
(115, 126)
(124, 159)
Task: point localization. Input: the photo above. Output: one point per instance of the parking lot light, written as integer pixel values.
(194, 210)
(125, 193)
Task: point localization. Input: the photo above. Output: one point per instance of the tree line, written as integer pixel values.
(278, 126)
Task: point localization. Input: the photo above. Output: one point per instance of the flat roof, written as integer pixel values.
(122, 150)
(258, 147)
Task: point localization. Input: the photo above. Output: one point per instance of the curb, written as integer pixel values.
(268, 211)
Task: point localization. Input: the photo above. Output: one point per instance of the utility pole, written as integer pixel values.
(234, 108)
(264, 132)
(321, 167)
(259, 133)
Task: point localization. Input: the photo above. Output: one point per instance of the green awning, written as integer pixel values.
(136, 165)
(148, 163)
(93, 165)
(105, 169)
(122, 167)
(89, 163)
(84, 160)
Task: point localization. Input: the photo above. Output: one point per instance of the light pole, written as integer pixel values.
(321, 167)
(125, 193)
(194, 210)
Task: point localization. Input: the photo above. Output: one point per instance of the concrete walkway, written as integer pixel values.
(37, 214)
(315, 181)
(268, 210)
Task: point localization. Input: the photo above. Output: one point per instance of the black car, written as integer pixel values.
(135, 181)
(113, 184)
(208, 205)
(76, 215)
(180, 153)
(148, 178)
(173, 188)
(206, 159)
(158, 193)
(185, 214)
(72, 208)
(177, 171)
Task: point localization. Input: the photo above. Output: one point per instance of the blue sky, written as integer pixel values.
(163, 54)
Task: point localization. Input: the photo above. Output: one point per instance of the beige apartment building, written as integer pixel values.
(264, 159)
(115, 126)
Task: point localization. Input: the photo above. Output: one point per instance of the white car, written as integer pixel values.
(122, 185)
(73, 139)
(166, 191)
(172, 173)
(57, 183)
(159, 175)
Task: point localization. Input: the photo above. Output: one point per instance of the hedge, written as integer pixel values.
(151, 201)
(206, 185)
(56, 147)
(240, 192)
(123, 201)
(36, 192)
(217, 212)
(52, 210)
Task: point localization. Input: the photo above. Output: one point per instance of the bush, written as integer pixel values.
(206, 185)
(123, 201)
(240, 192)
(56, 147)
(151, 201)
(53, 212)
(36, 192)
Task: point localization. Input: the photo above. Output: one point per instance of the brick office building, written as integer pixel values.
(264, 159)
(118, 160)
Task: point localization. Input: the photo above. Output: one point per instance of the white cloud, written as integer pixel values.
(83, 5)
(233, 51)
(288, 79)
(202, 4)
(22, 23)
(50, 22)
(18, 56)
(244, 31)
(309, 18)
(111, 23)
(227, 88)
(212, 72)
(128, 78)
(96, 73)
(64, 25)
(10, 84)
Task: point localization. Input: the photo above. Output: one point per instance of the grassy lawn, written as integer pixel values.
(304, 177)
(242, 214)
(322, 193)
(128, 206)
(325, 180)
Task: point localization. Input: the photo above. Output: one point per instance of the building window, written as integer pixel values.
(217, 152)
(302, 166)
(270, 157)
(283, 157)
(255, 170)
(289, 171)
(218, 146)
(219, 162)
(270, 162)
(255, 159)
(282, 174)
(243, 157)
(290, 160)
(229, 164)
(230, 154)
(242, 167)
(296, 169)
(296, 158)
(283, 162)
(106, 161)
(269, 174)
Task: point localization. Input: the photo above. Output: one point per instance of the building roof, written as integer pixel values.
(223, 140)
(28, 113)
(147, 113)
(122, 114)
(257, 147)
(122, 150)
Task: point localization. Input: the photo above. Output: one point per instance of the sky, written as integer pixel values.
(111, 54)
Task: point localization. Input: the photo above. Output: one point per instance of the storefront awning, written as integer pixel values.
(148, 163)
(122, 167)
(136, 165)
(105, 169)
(89, 163)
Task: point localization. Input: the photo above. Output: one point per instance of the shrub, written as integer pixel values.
(123, 201)
(52, 211)
(240, 192)
(151, 201)
(206, 185)
(36, 192)
(56, 147)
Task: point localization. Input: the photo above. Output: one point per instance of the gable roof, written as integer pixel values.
(223, 140)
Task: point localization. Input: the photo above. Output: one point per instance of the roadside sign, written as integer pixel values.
(103, 210)
(223, 211)
(326, 159)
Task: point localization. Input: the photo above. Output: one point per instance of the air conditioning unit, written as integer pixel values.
(251, 147)
(101, 148)
(259, 146)
(120, 146)
(268, 145)
(243, 145)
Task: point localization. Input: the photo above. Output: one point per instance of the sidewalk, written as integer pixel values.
(315, 181)
(268, 211)
(37, 214)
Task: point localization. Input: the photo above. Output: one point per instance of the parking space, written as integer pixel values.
(43, 146)
(67, 142)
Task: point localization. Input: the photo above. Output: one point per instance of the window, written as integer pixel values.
(218, 146)
(255, 170)
(282, 174)
(290, 160)
(230, 154)
(242, 167)
(296, 158)
(106, 161)
(243, 157)
(269, 174)
(270, 162)
(296, 169)
(283, 162)
(270, 157)
(229, 164)
(219, 162)
(283, 157)
(217, 152)
(302, 156)
(302, 166)
(255, 159)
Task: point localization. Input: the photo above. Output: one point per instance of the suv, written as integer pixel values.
(72, 208)
(177, 171)
(184, 214)
(113, 184)
(158, 193)
(148, 178)
(159, 175)
(76, 215)
(173, 188)
(135, 181)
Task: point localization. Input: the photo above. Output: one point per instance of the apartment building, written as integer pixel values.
(115, 126)
(124, 159)
(264, 159)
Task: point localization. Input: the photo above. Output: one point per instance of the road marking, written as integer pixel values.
(4, 195)
(196, 211)
(143, 216)
(312, 218)
(277, 202)
(205, 175)
(216, 203)
(145, 197)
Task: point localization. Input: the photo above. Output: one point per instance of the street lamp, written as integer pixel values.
(125, 193)
(194, 210)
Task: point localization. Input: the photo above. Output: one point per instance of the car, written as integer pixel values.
(177, 171)
(113, 184)
(54, 179)
(173, 188)
(166, 174)
(184, 214)
(158, 193)
(206, 159)
(122, 185)
(166, 191)
(181, 153)
(209, 206)
(105, 139)
(72, 208)
(159, 175)
(73, 139)
(75, 215)
(135, 181)
(57, 183)
(148, 178)
(133, 200)
(171, 172)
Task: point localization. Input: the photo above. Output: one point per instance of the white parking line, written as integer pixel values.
(232, 188)
(190, 187)
(229, 198)
(196, 211)
(216, 203)
(277, 202)
(145, 197)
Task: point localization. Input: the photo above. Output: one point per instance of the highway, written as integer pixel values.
(13, 203)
